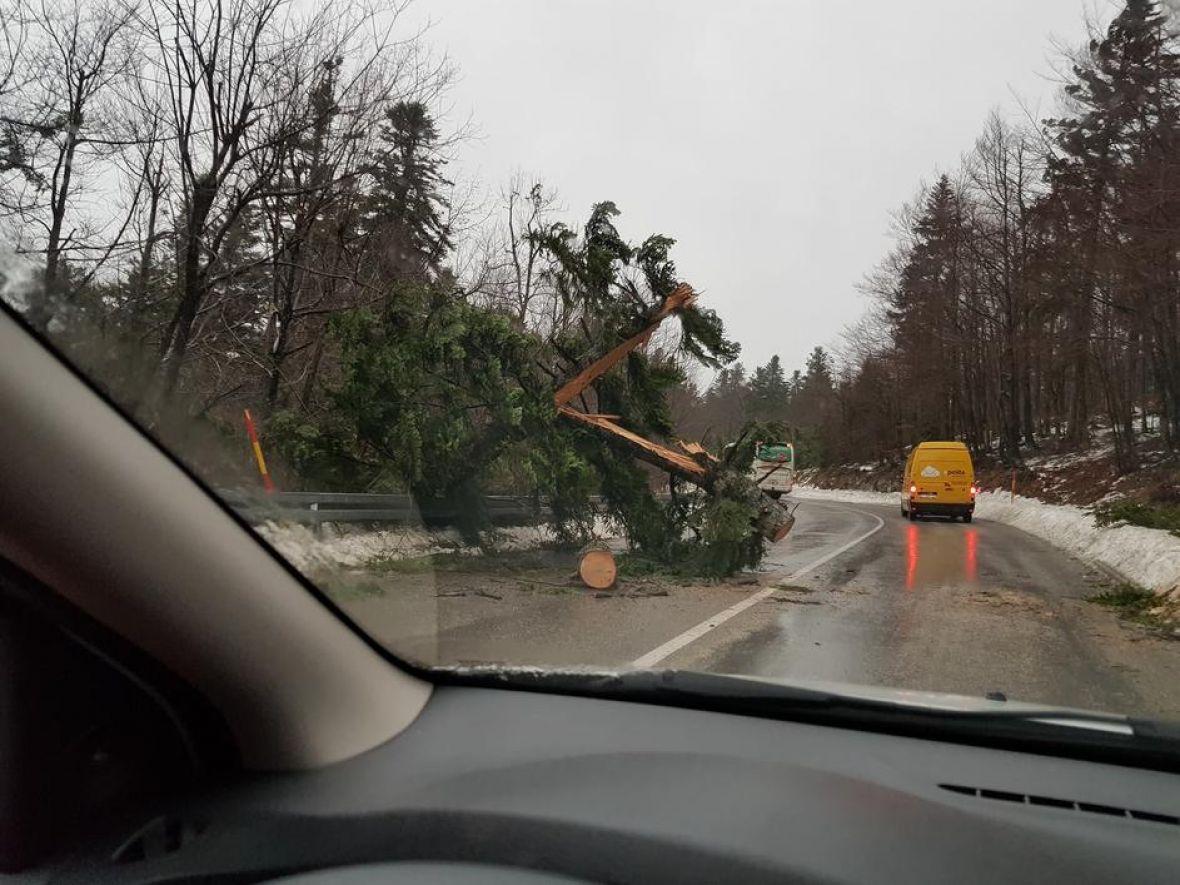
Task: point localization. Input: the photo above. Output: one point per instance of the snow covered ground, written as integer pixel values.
(1149, 557)
(351, 547)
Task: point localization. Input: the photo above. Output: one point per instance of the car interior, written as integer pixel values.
(178, 704)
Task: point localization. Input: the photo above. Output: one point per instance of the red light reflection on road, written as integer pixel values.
(911, 555)
(972, 554)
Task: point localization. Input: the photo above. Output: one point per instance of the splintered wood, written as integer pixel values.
(682, 296)
(697, 450)
(645, 449)
(692, 462)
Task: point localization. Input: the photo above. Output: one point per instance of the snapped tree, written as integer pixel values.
(445, 397)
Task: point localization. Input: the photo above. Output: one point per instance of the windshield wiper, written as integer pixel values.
(1101, 737)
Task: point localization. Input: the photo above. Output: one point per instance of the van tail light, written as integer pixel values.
(974, 490)
(913, 490)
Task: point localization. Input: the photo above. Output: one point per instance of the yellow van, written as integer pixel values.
(939, 479)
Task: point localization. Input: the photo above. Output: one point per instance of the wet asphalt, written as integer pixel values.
(930, 605)
(943, 606)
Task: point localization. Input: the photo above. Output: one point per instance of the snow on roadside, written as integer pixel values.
(1149, 557)
(309, 551)
(850, 496)
(353, 547)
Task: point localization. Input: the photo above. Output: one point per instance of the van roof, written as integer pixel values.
(957, 446)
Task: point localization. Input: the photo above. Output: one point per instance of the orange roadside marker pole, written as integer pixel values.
(267, 483)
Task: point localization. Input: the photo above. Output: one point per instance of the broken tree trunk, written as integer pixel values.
(644, 449)
(693, 463)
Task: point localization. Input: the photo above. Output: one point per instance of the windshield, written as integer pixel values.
(774, 453)
(538, 340)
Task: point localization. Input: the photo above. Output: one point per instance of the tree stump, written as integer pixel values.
(597, 568)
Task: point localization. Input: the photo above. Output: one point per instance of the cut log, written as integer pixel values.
(597, 569)
(777, 523)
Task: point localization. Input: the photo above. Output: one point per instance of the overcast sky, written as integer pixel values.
(771, 139)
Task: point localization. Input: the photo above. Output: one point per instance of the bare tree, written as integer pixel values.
(231, 78)
(64, 116)
(530, 209)
(1002, 172)
(13, 42)
(511, 265)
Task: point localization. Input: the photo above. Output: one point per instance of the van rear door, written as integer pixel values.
(943, 476)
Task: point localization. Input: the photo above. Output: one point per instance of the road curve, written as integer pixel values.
(854, 594)
(941, 606)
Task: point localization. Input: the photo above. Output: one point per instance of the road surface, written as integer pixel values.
(944, 606)
(854, 594)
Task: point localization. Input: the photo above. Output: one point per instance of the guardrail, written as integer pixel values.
(314, 508)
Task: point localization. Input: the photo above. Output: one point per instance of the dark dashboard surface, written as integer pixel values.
(613, 791)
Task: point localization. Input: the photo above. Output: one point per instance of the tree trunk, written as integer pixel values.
(43, 310)
(194, 283)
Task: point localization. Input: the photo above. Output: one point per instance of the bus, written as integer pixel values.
(774, 467)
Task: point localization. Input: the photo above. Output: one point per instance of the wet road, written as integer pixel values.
(854, 594)
(941, 606)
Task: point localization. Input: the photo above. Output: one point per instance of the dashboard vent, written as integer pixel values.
(1068, 804)
(162, 836)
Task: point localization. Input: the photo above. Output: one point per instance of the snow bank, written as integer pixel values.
(307, 550)
(1148, 557)
(851, 496)
(349, 547)
(17, 279)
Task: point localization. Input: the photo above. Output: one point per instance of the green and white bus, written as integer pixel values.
(774, 467)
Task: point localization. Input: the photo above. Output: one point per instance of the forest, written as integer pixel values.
(245, 204)
(230, 204)
(1033, 292)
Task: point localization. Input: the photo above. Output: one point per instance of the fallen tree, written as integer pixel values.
(720, 479)
(448, 398)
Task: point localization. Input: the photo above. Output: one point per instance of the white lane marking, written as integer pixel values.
(676, 643)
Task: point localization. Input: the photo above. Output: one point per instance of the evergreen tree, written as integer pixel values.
(796, 382)
(407, 207)
(725, 402)
(769, 392)
(924, 309)
(819, 371)
(1124, 92)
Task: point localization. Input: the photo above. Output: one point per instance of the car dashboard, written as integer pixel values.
(514, 786)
